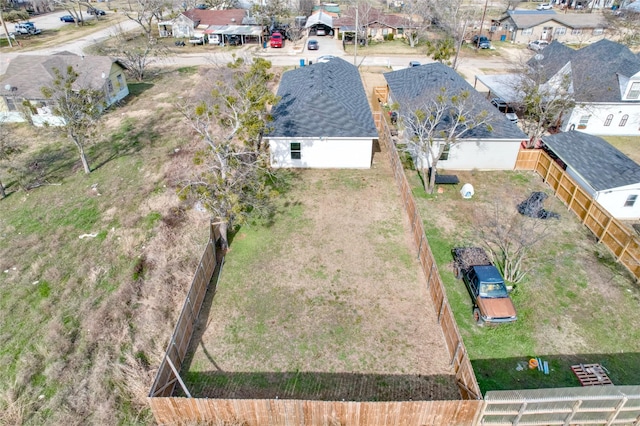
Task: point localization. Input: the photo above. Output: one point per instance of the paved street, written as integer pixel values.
(290, 55)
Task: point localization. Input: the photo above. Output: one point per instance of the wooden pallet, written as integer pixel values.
(591, 374)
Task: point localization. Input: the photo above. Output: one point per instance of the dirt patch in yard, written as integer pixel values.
(326, 303)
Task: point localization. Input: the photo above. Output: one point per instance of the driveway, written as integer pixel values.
(49, 21)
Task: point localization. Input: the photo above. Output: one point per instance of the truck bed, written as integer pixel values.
(466, 257)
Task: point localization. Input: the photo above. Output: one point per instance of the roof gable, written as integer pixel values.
(323, 100)
(595, 69)
(411, 86)
(599, 163)
(530, 18)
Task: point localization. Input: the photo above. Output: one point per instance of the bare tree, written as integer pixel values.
(453, 18)
(366, 13)
(624, 26)
(231, 118)
(510, 4)
(542, 101)
(79, 105)
(144, 13)
(305, 7)
(416, 20)
(136, 53)
(436, 124)
(511, 239)
(74, 7)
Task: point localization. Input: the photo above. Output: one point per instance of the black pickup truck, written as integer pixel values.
(491, 301)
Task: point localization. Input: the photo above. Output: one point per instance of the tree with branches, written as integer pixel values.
(80, 107)
(511, 239)
(231, 117)
(416, 20)
(453, 18)
(436, 124)
(136, 53)
(542, 101)
(144, 13)
(441, 50)
(74, 7)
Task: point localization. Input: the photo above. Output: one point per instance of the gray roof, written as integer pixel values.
(532, 18)
(600, 164)
(29, 73)
(323, 100)
(412, 86)
(594, 69)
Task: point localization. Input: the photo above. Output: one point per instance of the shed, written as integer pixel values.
(612, 178)
(323, 119)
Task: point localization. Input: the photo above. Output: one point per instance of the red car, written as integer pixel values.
(276, 40)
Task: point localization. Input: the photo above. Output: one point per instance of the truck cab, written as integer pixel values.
(490, 295)
(491, 301)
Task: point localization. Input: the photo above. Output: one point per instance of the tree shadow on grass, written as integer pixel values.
(515, 374)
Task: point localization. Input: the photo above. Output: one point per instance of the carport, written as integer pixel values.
(220, 33)
(319, 20)
(503, 86)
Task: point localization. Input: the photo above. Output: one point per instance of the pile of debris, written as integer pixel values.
(533, 207)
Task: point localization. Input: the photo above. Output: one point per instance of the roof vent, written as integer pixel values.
(233, 19)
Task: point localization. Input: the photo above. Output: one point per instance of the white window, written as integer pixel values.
(598, 31)
(385, 31)
(631, 200)
(527, 31)
(560, 31)
(607, 122)
(576, 31)
(584, 120)
(623, 120)
(634, 91)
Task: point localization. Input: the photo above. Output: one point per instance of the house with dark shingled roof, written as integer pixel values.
(612, 178)
(27, 74)
(605, 82)
(323, 119)
(483, 148)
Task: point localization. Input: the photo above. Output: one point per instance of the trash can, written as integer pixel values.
(310, 62)
(264, 45)
(302, 62)
(503, 37)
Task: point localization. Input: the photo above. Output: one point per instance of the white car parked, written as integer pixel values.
(544, 6)
(537, 45)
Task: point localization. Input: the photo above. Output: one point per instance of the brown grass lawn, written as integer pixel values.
(327, 302)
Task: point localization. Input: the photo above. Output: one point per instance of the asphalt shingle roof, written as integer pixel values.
(594, 68)
(411, 86)
(600, 164)
(30, 73)
(323, 100)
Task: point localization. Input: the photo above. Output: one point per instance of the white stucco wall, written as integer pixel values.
(613, 201)
(325, 153)
(484, 155)
(599, 113)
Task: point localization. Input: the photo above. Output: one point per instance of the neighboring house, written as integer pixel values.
(323, 119)
(480, 148)
(27, 74)
(605, 82)
(378, 26)
(523, 26)
(218, 25)
(612, 178)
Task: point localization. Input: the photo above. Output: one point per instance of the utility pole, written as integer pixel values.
(484, 13)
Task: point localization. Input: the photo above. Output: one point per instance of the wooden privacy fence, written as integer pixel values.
(459, 358)
(168, 374)
(618, 238)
